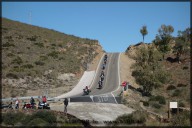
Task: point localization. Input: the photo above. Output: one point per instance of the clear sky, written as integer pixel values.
(115, 24)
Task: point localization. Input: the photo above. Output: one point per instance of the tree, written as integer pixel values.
(148, 71)
(182, 45)
(163, 38)
(144, 31)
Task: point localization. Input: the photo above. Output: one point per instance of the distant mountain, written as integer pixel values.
(30, 52)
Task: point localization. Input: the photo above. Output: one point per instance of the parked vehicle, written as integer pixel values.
(42, 105)
(29, 106)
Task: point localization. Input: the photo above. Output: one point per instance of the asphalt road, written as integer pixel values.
(110, 83)
(111, 79)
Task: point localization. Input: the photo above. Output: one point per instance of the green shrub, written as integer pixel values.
(53, 45)
(27, 66)
(43, 58)
(10, 54)
(145, 103)
(39, 63)
(39, 44)
(160, 99)
(54, 54)
(137, 117)
(33, 38)
(181, 104)
(171, 87)
(125, 119)
(184, 68)
(17, 60)
(11, 118)
(38, 122)
(181, 85)
(7, 44)
(12, 76)
(46, 116)
(181, 119)
(156, 105)
(177, 92)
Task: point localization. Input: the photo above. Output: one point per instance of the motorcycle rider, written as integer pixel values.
(102, 78)
(100, 83)
(102, 73)
(103, 66)
(105, 59)
(86, 90)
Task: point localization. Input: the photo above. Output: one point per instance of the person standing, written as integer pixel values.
(32, 101)
(17, 104)
(65, 105)
(44, 99)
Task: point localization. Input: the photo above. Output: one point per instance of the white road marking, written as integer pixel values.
(118, 75)
(91, 97)
(119, 79)
(114, 97)
(96, 71)
(107, 69)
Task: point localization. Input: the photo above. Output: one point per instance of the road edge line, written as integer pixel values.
(118, 74)
(97, 70)
(107, 69)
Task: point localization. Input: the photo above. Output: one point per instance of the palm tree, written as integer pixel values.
(144, 31)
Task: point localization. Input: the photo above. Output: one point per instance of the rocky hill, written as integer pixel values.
(38, 59)
(166, 78)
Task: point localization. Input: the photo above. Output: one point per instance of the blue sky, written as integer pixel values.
(115, 24)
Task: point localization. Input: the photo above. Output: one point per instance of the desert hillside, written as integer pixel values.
(159, 73)
(36, 59)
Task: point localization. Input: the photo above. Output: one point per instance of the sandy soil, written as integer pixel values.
(126, 71)
(95, 62)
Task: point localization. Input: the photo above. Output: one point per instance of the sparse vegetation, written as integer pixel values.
(171, 87)
(37, 118)
(35, 44)
(181, 85)
(177, 92)
(159, 79)
(163, 38)
(137, 117)
(148, 71)
(182, 119)
(39, 63)
(7, 44)
(160, 99)
(156, 105)
(17, 60)
(27, 66)
(12, 76)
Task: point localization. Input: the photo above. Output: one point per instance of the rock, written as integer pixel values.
(10, 82)
(48, 72)
(21, 81)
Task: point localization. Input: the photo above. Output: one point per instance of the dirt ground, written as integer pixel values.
(126, 71)
(60, 90)
(95, 62)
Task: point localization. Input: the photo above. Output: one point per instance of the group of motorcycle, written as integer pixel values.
(102, 73)
(86, 90)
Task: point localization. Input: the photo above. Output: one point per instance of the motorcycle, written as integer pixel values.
(29, 106)
(100, 84)
(43, 105)
(86, 92)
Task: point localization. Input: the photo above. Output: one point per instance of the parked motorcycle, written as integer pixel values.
(43, 105)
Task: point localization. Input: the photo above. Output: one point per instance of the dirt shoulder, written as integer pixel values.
(126, 71)
(95, 62)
